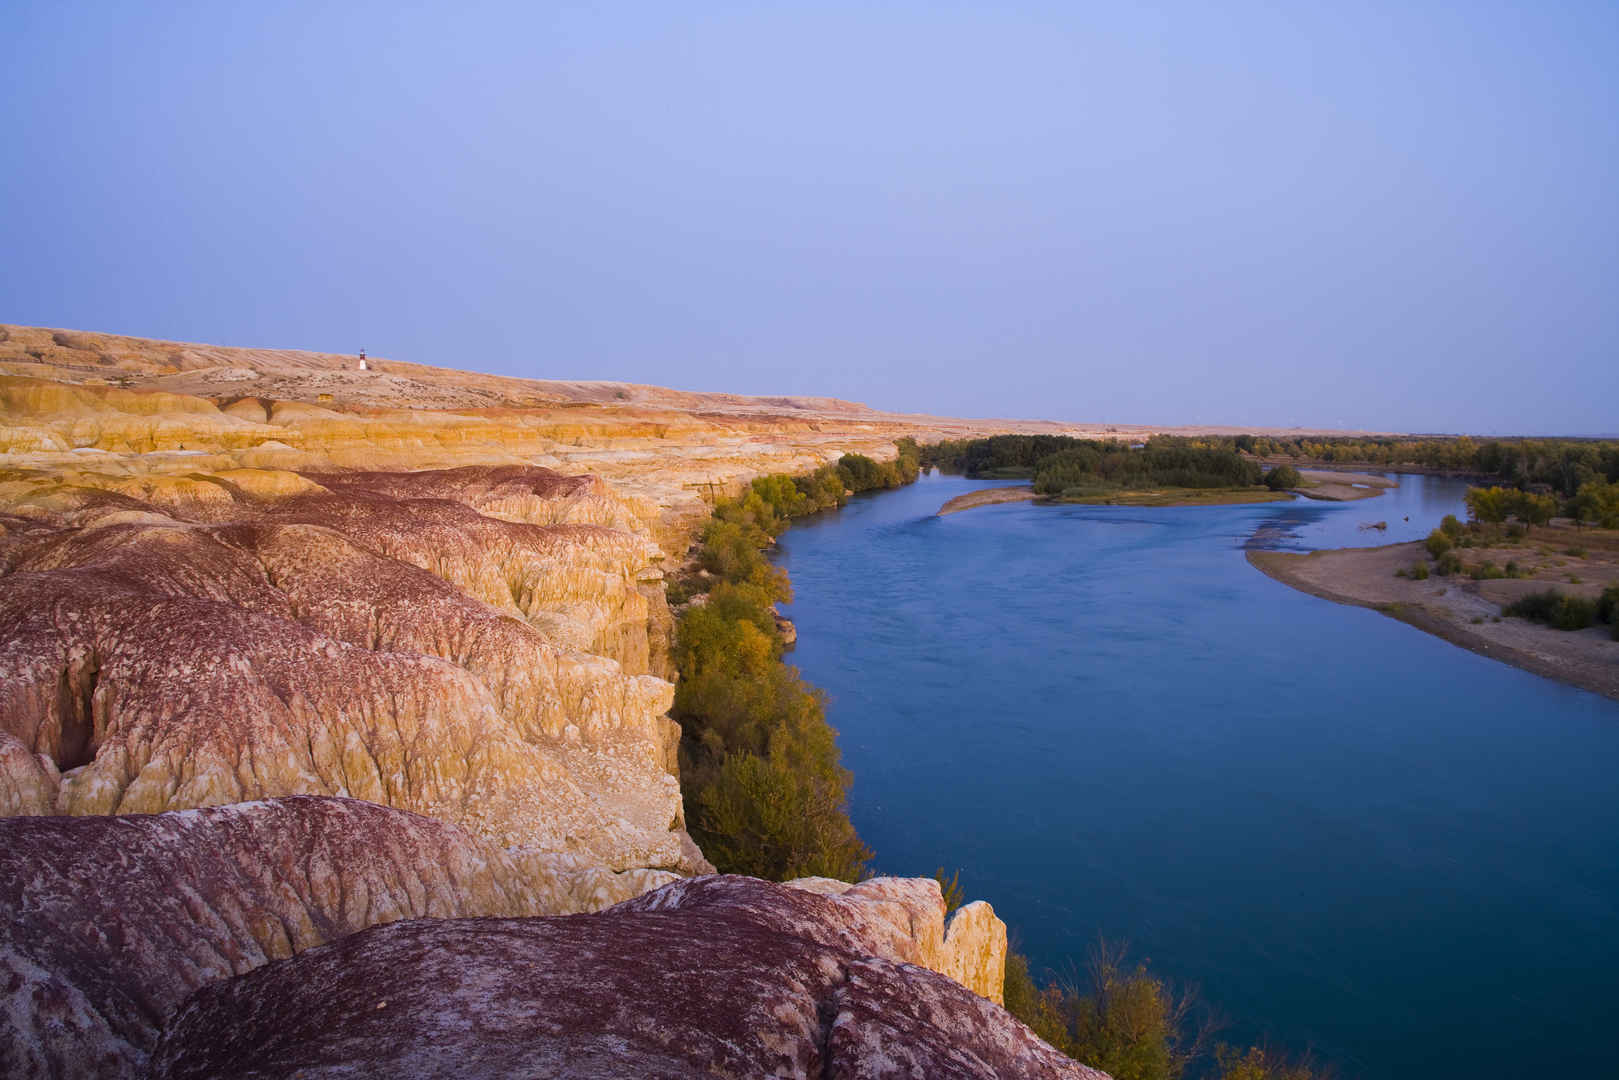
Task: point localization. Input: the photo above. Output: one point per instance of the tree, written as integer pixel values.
(1596, 501)
(1488, 504)
(1283, 478)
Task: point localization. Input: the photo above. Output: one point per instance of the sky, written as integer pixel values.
(1393, 216)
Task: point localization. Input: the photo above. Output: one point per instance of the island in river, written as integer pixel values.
(1323, 484)
(1467, 611)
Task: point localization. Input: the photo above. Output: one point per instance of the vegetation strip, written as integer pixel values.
(765, 791)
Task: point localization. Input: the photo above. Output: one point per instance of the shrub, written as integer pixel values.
(1451, 526)
(1260, 1063)
(1133, 1024)
(1035, 1007)
(1447, 564)
(1559, 611)
(1577, 552)
(950, 888)
(1608, 605)
(1486, 571)
(1419, 571)
(765, 817)
(1438, 543)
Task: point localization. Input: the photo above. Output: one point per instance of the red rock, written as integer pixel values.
(717, 976)
(112, 921)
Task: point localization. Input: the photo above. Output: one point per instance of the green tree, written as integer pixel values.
(1490, 504)
(1283, 478)
(1597, 502)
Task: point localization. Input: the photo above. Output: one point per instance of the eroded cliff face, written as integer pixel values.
(163, 649)
(710, 977)
(230, 576)
(114, 922)
(234, 574)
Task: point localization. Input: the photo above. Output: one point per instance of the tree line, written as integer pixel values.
(1561, 465)
(1596, 502)
(1061, 465)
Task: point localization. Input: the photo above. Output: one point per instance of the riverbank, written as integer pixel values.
(1463, 611)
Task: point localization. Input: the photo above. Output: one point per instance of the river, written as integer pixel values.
(1353, 837)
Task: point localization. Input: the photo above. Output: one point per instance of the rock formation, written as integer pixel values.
(165, 649)
(113, 922)
(229, 577)
(710, 977)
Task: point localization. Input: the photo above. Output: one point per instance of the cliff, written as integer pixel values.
(233, 574)
(233, 577)
(115, 923)
(715, 977)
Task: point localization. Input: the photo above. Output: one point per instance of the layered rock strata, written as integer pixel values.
(706, 977)
(113, 922)
(231, 575)
(166, 646)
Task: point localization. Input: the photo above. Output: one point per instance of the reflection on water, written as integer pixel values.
(1352, 835)
(1408, 512)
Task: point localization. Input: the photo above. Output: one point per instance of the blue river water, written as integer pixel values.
(1352, 837)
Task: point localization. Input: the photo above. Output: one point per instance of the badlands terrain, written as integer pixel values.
(291, 650)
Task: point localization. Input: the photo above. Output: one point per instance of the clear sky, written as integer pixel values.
(1391, 215)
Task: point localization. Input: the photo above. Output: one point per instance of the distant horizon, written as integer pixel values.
(1371, 217)
(1081, 422)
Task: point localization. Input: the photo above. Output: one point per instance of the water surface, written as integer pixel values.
(1351, 835)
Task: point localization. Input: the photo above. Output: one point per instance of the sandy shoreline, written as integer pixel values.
(986, 497)
(1336, 486)
(1457, 609)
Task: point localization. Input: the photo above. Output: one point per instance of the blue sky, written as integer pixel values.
(1400, 216)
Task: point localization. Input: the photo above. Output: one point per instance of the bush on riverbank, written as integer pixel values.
(765, 791)
(1557, 610)
(1128, 1022)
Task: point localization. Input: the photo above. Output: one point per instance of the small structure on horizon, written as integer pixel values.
(363, 365)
